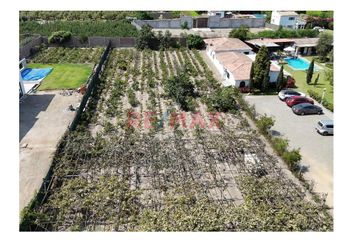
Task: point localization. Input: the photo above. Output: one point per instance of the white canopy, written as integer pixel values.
(289, 49)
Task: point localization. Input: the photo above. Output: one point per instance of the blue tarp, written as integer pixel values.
(33, 74)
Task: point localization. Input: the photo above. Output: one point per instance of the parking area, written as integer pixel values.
(44, 118)
(316, 150)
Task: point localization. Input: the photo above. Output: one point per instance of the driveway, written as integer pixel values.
(44, 118)
(316, 150)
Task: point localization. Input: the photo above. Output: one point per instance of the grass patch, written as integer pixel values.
(64, 76)
(300, 77)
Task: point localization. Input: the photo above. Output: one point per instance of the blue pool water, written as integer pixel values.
(33, 74)
(259, 15)
(298, 63)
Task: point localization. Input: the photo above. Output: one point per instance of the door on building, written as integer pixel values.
(200, 23)
(242, 84)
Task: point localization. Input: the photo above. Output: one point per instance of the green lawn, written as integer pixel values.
(300, 78)
(64, 76)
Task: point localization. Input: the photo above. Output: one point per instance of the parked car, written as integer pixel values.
(285, 93)
(291, 101)
(325, 127)
(306, 108)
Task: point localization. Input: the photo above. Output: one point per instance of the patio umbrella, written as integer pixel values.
(289, 49)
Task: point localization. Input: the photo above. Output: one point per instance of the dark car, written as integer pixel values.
(291, 101)
(306, 108)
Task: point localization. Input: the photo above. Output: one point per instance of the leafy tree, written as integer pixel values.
(280, 79)
(146, 38)
(251, 77)
(59, 37)
(329, 76)
(310, 72)
(317, 78)
(265, 123)
(241, 33)
(324, 46)
(179, 88)
(195, 41)
(224, 99)
(261, 69)
(143, 15)
(184, 25)
(166, 40)
(330, 56)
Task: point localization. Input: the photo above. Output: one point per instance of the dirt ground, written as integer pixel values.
(44, 118)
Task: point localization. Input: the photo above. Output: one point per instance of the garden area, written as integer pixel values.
(323, 72)
(71, 66)
(162, 147)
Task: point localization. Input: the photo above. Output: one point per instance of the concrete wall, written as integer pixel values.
(213, 22)
(164, 23)
(25, 51)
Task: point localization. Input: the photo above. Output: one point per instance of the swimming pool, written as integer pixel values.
(35, 74)
(298, 63)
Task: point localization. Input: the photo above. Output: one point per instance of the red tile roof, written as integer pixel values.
(226, 44)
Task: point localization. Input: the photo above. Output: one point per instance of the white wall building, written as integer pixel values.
(287, 19)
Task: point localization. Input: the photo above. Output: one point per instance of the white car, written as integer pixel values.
(286, 93)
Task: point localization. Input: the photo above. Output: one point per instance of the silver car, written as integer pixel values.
(286, 93)
(325, 127)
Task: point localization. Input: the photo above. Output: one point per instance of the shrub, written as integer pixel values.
(184, 25)
(292, 158)
(180, 87)
(241, 33)
(132, 98)
(264, 123)
(146, 38)
(223, 100)
(195, 41)
(59, 37)
(280, 145)
(83, 38)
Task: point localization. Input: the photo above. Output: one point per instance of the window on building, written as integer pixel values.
(290, 26)
(291, 18)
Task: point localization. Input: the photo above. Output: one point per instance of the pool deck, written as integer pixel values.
(44, 118)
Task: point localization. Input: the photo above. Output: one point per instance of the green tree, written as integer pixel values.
(324, 45)
(330, 56)
(261, 69)
(265, 123)
(184, 25)
(195, 41)
(143, 15)
(280, 79)
(166, 40)
(329, 76)
(251, 77)
(179, 88)
(310, 72)
(59, 37)
(146, 38)
(317, 78)
(241, 33)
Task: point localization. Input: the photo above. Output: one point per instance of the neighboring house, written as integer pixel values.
(233, 59)
(216, 13)
(288, 19)
(302, 46)
(305, 46)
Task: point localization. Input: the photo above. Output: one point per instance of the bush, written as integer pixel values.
(280, 145)
(195, 41)
(83, 38)
(292, 158)
(59, 37)
(265, 123)
(223, 100)
(179, 88)
(132, 98)
(184, 25)
(318, 97)
(241, 33)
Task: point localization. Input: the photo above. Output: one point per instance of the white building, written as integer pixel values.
(288, 19)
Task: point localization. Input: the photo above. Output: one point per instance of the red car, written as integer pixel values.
(291, 101)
